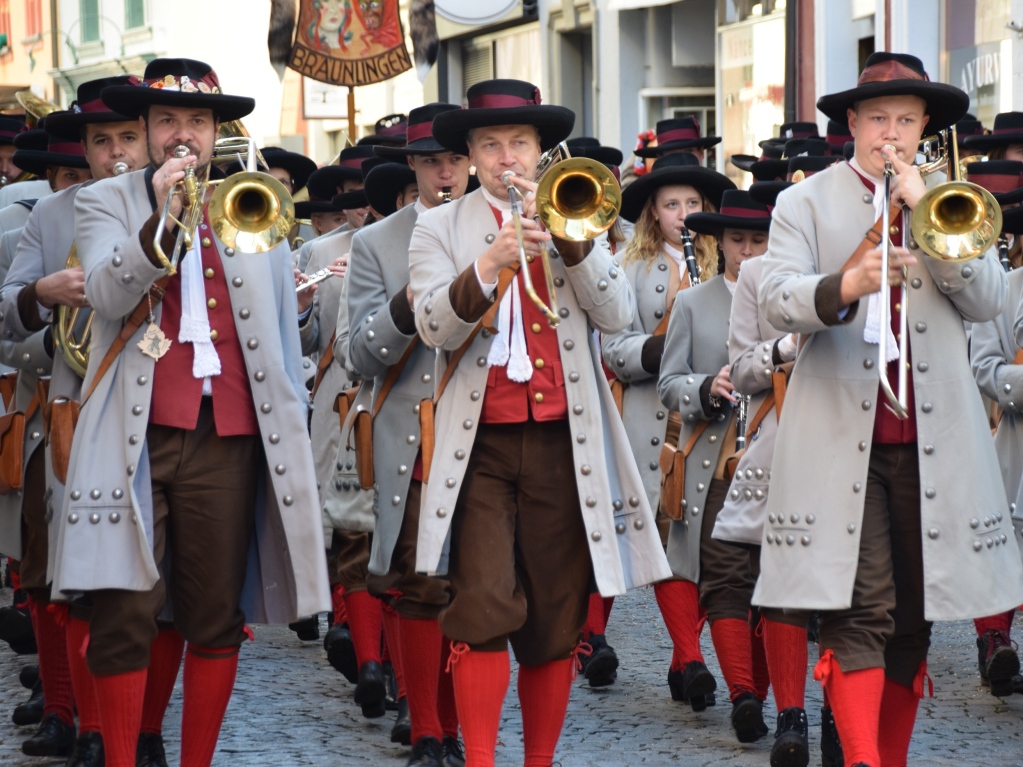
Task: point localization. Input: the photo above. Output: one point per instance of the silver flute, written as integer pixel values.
(314, 279)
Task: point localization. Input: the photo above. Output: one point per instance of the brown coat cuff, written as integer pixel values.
(828, 301)
(467, 297)
(28, 308)
(147, 234)
(402, 314)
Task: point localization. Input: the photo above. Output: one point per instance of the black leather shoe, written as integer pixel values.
(697, 684)
(748, 718)
(29, 675)
(601, 667)
(675, 685)
(426, 753)
(791, 744)
(1017, 684)
(53, 738)
(998, 662)
(401, 732)
(308, 629)
(88, 751)
(341, 652)
(371, 690)
(454, 754)
(16, 629)
(31, 711)
(391, 683)
(831, 746)
(150, 751)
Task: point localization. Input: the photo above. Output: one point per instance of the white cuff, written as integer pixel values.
(488, 288)
(787, 348)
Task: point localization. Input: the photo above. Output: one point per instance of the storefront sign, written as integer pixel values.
(985, 73)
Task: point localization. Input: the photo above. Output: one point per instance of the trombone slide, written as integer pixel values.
(897, 403)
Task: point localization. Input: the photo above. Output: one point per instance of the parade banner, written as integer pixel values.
(349, 42)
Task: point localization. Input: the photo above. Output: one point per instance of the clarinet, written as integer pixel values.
(741, 417)
(445, 195)
(1003, 252)
(691, 267)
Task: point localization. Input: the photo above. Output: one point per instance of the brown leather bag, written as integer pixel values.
(61, 418)
(12, 436)
(673, 473)
(343, 403)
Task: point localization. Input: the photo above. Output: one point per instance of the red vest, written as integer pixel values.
(177, 394)
(889, 429)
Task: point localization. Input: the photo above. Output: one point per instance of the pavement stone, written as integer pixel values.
(290, 708)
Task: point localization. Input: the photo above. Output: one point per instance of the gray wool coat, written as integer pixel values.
(644, 416)
(694, 351)
(971, 560)
(593, 294)
(751, 340)
(106, 519)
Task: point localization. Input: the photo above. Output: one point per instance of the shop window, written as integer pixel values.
(89, 15)
(134, 14)
(979, 48)
(5, 26)
(33, 18)
(477, 63)
(731, 11)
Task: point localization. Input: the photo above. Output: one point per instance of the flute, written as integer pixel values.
(313, 279)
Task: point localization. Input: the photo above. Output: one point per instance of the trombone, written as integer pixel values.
(577, 199)
(250, 211)
(954, 221)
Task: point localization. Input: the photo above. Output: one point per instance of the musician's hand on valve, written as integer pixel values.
(504, 250)
(164, 179)
(721, 386)
(305, 297)
(865, 278)
(907, 184)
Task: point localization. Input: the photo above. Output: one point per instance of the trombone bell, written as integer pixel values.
(251, 212)
(956, 221)
(578, 199)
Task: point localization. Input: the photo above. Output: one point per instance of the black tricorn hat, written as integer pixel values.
(678, 133)
(419, 133)
(586, 146)
(38, 150)
(1003, 178)
(89, 108)
(681, 169)
(737, 211)
(899, 74)
(177, 83)
(388, 131)
(1008, 129)
(358, 198)
(806, 165)
(770, 169)
(503, 102)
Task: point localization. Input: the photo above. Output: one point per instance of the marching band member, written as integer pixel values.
(187, 443)
(679, 134)
(522, 489)
(655, 265)
(12, 190)
(894, 550)
(1004, 142)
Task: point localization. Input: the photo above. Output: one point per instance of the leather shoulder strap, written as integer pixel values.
(323, 365)
(871, 240)
(1018, 359)
(697, 433)
(393, 374)
(762, 411)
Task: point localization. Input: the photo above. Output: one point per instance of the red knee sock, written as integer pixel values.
(594, 617)
(732, 645)
(120, 709)
(543, 695)
(83, 684)
(855, 698)
(209, 680)
(608, 604)
(481, 682)
(365, 621)
(679, 602)
(337, 600)
(446, 708)
(785, 647)
(761, 673)
(392, 644)
(164, 662)
(1000, 622)
(420, 655)
(54, 671)
(898, 712)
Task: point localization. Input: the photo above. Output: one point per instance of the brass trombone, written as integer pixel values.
(954, 221)
(577, 199)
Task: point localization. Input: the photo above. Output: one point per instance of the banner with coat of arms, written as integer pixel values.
(349, 42)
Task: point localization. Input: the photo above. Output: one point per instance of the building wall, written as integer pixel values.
(28, 55)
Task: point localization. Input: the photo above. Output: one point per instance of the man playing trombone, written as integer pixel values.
(908, 523)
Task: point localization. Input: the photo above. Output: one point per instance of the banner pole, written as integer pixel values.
(351, 114)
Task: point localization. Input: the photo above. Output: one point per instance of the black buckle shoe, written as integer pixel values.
(341, 652)
(454, 754)
(791, 743)
(31, 711)
(426, 753)
(88, 751)
(371, 691)
(675, 685)
(149, 752)
(401, 732)
(998, 661)
(831, 746)
(697, 684)
(600, 667)
(29, 675)
(748, 718)
(54, 737)
(308, 629)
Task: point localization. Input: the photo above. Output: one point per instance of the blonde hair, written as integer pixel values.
(647, 240)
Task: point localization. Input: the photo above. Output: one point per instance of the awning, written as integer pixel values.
(628, 5)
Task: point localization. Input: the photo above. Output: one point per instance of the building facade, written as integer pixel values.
(26, 50)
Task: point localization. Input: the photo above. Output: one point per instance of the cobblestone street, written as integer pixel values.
(291, 708)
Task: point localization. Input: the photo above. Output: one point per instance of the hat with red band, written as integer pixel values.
(9, 128)
(419, 133)
(680, 169)
(184, 83)
(676, 134)
(771, 169)
(1003, 178)
(38, 150)
(503, 102)
(1008, 129)
(898, 74)
(329, 180)
(388, 131)
(799, 168)
(738, 211)
(89, 108)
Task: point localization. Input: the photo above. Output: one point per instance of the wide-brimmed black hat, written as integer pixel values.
(799, 168)
(1012, 220)
(1003, 178)
(326, 181)
(38, 150)
(737, 211)
(837, 136)
(388, 131)
(419, 133)
(899, 74)
(681, 169)
(358, 198)
(586, 146)
(1008, 129)
(89, 108)
(791, 130)
(678, 133)
(770, 169)
(969, 126)
(383, 184)
(9, 128)
(308, 208)
(298, 166)
(769, 150)
(503, 102)
(178, 83)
